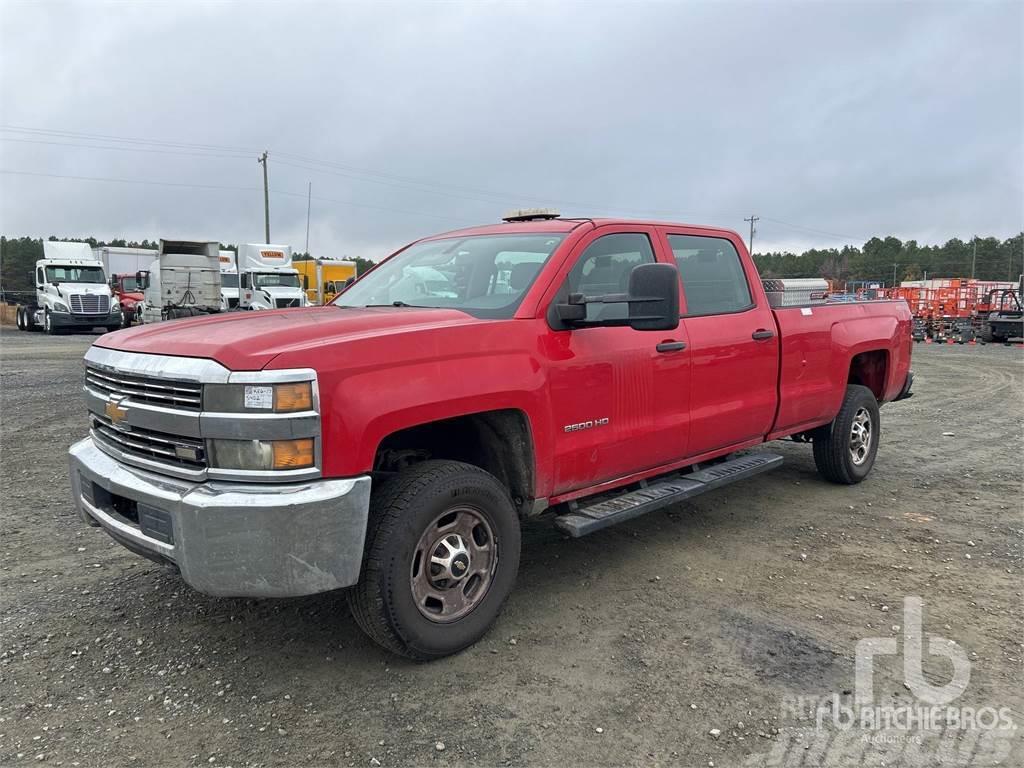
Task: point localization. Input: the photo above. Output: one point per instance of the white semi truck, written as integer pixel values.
(71, 292)
(228, 281)
(268, 279)
(183, 281)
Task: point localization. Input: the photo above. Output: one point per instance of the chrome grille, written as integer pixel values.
(185, 452)
(90, 304)
(186, 395)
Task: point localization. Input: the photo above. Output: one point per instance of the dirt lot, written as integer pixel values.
(623, 648)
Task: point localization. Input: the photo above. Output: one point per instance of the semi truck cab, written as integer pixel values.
(228, 281)
(267, 278)
(71, 291)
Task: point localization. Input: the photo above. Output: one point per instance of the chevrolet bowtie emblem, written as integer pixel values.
(115, 412)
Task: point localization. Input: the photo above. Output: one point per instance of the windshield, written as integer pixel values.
(229, 280)
(485, 275)
(130, 285)
(75, 275)
(275, 280)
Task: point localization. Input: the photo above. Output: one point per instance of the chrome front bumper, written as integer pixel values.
(229, 539)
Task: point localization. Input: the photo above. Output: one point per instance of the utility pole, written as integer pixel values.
(894, 275)
(309, 200)
(974, 259)
(262, 160)
(750, 244)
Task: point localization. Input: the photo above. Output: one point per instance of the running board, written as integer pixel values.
(663, 492)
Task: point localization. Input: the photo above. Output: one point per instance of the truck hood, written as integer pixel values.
(248, 341)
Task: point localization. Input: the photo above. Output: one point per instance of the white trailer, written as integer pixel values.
(124, 261)
(183, 281)
(268, 279)
(71, 292)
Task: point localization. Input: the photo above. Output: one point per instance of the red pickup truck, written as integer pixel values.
(581, 370)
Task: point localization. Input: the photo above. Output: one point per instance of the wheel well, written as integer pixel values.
(498, 442)
(869, 369)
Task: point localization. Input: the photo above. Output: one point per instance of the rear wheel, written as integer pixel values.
(19, 318)
(844, 451)
(442, 553)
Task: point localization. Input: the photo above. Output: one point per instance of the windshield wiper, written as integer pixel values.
(399, 304)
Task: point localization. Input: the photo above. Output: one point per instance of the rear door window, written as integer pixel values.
(713, 279)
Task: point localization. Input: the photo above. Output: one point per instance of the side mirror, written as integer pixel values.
(305, 282)
(654, 297)
(142, 280)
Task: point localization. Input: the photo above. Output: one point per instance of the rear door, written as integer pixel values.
(619, 397)
(732, 339)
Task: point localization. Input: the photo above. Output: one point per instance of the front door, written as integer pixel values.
(620, 405)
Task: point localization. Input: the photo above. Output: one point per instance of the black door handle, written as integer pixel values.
(761, 334)
(671, 346)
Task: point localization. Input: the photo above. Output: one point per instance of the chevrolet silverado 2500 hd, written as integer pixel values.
(393, 441)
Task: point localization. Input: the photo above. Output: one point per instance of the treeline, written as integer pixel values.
(18, 256)
(880, 259)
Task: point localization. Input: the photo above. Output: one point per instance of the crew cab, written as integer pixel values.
(583, 371)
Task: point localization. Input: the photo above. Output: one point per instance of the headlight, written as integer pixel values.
(246, 398)
(262, 454)
(59, 306)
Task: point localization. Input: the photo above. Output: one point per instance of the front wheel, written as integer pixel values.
(442, 553)
(48, 328)
(844, 451)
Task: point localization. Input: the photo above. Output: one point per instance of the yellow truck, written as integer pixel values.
(322, 279)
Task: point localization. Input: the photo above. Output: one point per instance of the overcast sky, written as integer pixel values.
(832, 121)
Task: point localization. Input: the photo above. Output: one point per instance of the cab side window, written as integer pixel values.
(712, 275)
(604, 267)
(39, 275)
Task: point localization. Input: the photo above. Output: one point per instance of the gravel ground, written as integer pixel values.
(675, 639)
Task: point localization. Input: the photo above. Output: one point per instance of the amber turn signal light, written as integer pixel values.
(293, 397)
(293, 454)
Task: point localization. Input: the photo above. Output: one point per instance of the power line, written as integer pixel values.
(355, 173)
(125, 149)
(123, 139)
(190, 185)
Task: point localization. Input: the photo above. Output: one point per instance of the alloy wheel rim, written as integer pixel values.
(453, 565)
(860, 436)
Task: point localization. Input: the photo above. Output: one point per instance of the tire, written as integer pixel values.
(986, 333)
(19, 318)
(834, 452)
(404, 513)
(48, 328)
